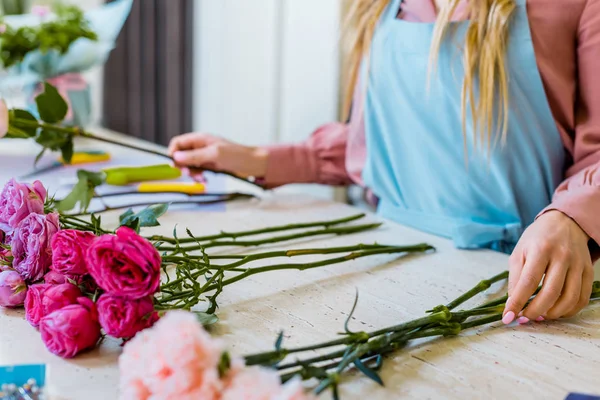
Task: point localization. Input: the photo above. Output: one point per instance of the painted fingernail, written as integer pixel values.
(185, 171)
(508, 318)
(178, 156)
(523, 320)
(540, 319)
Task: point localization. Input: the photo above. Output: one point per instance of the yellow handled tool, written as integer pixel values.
(190, 188)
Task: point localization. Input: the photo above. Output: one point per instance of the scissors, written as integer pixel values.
(84, 157)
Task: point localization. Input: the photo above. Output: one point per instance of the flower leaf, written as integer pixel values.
(146, 218)
(206, 319)
(23, 115)
(52, 140)
(67, 150)
(279, 341)
(368, 372)
(82, 192)
(351, 314)
(51, 106)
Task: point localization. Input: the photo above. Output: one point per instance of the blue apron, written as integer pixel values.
(416, 163)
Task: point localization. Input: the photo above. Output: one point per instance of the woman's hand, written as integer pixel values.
(556, 248)
(200, 150)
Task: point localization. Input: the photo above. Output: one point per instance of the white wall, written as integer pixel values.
(267, 70)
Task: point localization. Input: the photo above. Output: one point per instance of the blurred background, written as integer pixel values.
(256, 72)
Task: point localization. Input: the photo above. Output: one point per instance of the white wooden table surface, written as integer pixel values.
(540, 361)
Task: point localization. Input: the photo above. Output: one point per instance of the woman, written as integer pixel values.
(474, 120)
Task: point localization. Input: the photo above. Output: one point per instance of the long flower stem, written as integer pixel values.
(224, 199)
(299, 266)
(254, 232)
(277, 239)
(78, 132)
(136, 192)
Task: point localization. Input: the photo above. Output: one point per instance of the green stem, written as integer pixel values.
(479, 288)
(277, 239)
(136, 192)
(279, 228)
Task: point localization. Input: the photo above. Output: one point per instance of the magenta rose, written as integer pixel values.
(12, 289)
(43, 299)
(69, 248)
(32, 254)
(54, 278)
(72, 329)
(18, 201)
(125, 264)
(33, 304)
(123, 318)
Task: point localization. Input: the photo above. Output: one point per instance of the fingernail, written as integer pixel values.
(178, 156)
(523, 320)
(185, 171)
(508, 318)
(540, 319)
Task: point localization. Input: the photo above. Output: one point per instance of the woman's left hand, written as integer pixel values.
(555, 248)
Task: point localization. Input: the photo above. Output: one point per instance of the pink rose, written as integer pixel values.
(123, 318)
(72, 329)
(33, 304)
(125, 264)
(69, 248)
(175, 359)
(54, 278)
(31, 245)
(12, 289)
(19, 200)
(43, 299)
(3, 107)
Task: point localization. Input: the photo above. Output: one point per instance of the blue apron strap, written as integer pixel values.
(394, 8)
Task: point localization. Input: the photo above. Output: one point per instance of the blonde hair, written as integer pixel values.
(484, 58)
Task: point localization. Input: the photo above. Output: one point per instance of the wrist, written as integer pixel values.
(564, 218)
(260, 159)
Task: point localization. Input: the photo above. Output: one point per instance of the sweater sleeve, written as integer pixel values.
(579, 195)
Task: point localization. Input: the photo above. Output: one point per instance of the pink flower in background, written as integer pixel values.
(34, 311)
(175, 359)
(12, 289)
(2, 30)
(72, 329)
(40, 11)
(123, 318)
(69, 248)
(31, 245)
(293, 390)
(18, 201)
(125, 264)
(3, 107)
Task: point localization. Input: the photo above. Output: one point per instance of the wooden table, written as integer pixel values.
(539, 361)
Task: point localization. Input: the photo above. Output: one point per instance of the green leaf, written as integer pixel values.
(279, 341)
(83, 191)
(369, 373)
(67, 150)
(206, 319)
(16, 133)
(351, 314)
(51, 106)
(224, 364)
(23, 115)
(52, 140)
(147, 217)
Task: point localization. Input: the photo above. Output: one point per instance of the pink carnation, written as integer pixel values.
(125, 264)
(175, 359)
(69, 249)
(18, 201)
(31, 245)
(253, 383)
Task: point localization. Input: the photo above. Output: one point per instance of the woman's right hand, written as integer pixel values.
(201, 150)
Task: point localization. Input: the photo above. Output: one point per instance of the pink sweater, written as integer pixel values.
(566, 38)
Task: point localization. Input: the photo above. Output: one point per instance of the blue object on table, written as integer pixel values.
(579, 396)
(20, 374)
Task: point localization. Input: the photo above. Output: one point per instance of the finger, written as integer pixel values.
(197, 157)
(554, 281)
(587, 284)
(531, 275)
(515, 264)
(570, 295)
(188, 141)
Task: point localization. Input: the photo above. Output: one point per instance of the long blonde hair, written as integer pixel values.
(484, 58)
